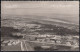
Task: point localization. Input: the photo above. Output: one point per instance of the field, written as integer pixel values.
(16, 27)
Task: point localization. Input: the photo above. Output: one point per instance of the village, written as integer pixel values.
(43, 35)
(9, 42)
(52, 39)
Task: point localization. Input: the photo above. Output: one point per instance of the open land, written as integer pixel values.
(37, 34)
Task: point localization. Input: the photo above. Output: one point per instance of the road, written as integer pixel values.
(25, 46)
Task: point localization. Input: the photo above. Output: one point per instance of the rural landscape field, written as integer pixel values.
(28, 29)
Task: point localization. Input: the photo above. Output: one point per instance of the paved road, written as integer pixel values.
(25, 46)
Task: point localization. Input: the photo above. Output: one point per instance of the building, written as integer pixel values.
(40, 39)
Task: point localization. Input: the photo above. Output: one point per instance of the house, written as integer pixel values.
(5, 41)
(9, 44)
(13, 42)
(32, 38)
(68, 43)
(53, 40)
(40, 39)
(58, 41)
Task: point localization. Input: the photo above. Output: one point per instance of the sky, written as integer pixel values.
(68, 10)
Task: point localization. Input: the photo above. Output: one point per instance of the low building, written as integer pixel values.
(40, 39)
(32, 38)
(5, 41)
(68, 43)
(9, 44)
(58, 41)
